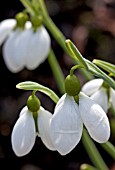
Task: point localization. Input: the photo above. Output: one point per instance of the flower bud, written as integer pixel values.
(21, 19)
(36, 21)
(72, 85)
(33, 103)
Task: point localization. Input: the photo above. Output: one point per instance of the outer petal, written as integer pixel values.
(38, 48)
(23, 134)
(6, 27)
(66, 125)
(15, 49)
(9, 53)
(43, 127)
(92, 86)
(94, 118)
(112, 98)
(101, 98)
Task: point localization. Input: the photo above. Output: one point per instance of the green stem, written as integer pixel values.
(93, 152)
(57, 72)
(51, 26)
(28, 5)
(95, 70)
(74, 52)
(74, 68)
(109, 148)
(59, 37)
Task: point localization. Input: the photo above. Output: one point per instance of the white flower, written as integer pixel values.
(24, 48)
(105, 97)
(24, 132)
(67, 121)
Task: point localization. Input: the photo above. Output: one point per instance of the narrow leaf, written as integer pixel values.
(29, 85)
(109, 67)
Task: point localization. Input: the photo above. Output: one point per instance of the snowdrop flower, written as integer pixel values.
(100, 93)
(29, 125)
(73, 110)
(26, 48)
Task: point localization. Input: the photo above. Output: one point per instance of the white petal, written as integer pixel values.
(6, 27)
(91, 86)
(43, 127)
(112, 98)
(28, 25)
(94, 118)
(23, 134)
(101, 98)
(25, 109)
(38, 48)
(9, 53)
(66, 125)
(21, 47)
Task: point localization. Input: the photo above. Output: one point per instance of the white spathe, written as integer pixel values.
(66, 125)
(94, 119)
(23, 134)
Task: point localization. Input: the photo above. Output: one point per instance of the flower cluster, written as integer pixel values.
(25, 44)
(62, 130)
(100, 92)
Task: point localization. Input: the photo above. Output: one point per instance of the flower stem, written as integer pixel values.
(93, 152)
(57, 72)
(59, 37)
(52, 27)
(109, 148)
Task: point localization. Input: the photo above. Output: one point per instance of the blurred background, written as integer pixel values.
(91, 26)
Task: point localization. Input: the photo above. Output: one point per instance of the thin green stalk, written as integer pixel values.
(51, 26)
(27, 4)
(57, 34)
(93, 152)
(109, 148)
(57, 72)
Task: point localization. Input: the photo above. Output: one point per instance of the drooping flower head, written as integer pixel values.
(33, 121)
(100, 92)
(27, 43)
(73, 110)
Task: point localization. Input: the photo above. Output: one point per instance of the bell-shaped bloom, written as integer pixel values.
(67, 122)
(66, 125)
(24, 132)
(99, 93)
(24, 48)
